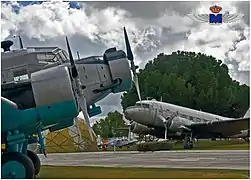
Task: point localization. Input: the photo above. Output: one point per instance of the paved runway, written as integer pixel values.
(221, 159)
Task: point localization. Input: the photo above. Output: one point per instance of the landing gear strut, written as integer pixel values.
(246, 140)
(188, 142)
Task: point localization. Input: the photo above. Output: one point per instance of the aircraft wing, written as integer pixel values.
(8, 103)
(10, 110)
(222, 127)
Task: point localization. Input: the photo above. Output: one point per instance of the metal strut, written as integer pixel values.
(41, 142)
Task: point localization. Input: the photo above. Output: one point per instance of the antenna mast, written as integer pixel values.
(20, 42)
(78, 55)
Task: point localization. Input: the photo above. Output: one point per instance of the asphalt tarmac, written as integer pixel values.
(212, 159)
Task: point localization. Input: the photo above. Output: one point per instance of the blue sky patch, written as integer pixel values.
(16, 8)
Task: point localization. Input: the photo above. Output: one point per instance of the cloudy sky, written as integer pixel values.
(153, 27)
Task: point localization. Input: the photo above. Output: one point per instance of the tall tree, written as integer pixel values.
(193, 80)
(106, 128)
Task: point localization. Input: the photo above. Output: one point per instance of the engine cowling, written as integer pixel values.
(177, 122)
(140, 128)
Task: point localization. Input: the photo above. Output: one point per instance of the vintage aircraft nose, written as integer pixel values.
(138, 114)
(129, 113)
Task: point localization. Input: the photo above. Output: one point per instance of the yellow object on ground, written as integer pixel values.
(72, 139)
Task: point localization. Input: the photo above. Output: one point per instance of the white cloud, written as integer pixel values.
(169, 32)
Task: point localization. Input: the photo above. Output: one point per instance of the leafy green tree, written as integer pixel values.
(106, 128)
(193, 80)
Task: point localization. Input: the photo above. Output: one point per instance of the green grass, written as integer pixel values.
(66, 172)
(217, 145)
(203, 145)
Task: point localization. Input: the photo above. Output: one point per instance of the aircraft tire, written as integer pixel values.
(16, 165)
(35, 160)
(188, 144)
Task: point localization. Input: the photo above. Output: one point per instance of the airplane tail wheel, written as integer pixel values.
(188, 143)
(188, 146)
(16, 165)
(35, 159)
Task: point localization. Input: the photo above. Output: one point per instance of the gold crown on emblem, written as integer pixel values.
(215, 9)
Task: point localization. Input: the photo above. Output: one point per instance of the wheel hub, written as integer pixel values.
(13, 169)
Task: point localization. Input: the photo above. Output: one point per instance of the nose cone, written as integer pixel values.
(129, 113)
(138, 114)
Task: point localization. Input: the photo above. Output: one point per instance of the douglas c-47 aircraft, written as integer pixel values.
(169, 120)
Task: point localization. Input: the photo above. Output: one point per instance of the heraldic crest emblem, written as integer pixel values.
(216, 17)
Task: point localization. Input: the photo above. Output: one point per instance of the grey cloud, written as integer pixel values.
(111, 100)
(153, 33)
(244, 77)
(244, 7)
(78, 43)
(148, 9)
(106, 109)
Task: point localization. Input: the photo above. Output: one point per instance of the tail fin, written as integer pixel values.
(247, 115)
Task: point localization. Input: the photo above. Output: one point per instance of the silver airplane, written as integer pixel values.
(120, 142)
(169, 120)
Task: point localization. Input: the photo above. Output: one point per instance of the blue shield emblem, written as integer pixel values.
(215, 18)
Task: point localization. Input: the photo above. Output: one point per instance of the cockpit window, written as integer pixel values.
(46, 57)
(51, 55)
(142, 105)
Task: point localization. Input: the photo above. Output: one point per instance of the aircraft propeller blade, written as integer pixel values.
(83, 108)
(136, 82)
(79, 92)
(74, 71)
(133, 67)
(20, 42)
(167, 122)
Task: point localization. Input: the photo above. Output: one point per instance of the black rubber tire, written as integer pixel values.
(22, 159)
(35, 159)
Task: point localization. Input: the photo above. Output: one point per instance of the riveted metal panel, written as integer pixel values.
(52, 85)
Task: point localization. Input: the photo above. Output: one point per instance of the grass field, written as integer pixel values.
(218, 145)
(55, 172)
(203, 145)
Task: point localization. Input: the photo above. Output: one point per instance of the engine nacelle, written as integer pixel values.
(140, 129)
(53, 95)
(177, 122)
(119, 68)
(103, 75)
